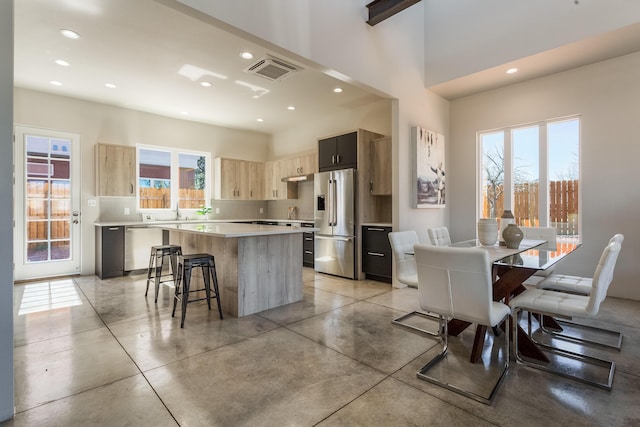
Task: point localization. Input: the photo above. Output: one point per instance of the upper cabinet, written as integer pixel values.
(116, 170)
(338, 152)
(275, 189)
(380, 167)
(238, 179)
(302, 165)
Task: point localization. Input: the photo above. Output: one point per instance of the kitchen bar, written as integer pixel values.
(258, 266)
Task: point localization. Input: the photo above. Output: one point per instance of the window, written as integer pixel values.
(168, 178)
(534, 170)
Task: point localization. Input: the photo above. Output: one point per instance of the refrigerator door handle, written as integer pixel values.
(335, 203)
(332, 201)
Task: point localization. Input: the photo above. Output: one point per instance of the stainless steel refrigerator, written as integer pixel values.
(334, 214)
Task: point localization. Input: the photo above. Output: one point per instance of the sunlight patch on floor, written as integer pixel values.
(50, 295)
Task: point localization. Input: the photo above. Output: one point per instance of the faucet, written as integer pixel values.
(178, 214)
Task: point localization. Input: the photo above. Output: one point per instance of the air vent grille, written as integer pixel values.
(272, 68)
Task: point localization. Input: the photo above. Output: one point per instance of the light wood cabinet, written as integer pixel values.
(275, 189)
(302, 165)
(380, 167)
(116, 170)
(238, 179)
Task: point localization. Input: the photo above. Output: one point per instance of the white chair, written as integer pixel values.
(580, 286)
(560, 304)
(573, 284)
(402, 243)
(439, 236)
(456, 283)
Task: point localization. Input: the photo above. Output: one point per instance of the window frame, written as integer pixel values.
(543, 167)
(174, 176)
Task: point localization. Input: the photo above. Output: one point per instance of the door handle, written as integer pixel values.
(75, 217)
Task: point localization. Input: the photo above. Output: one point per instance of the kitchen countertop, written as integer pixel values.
(377, 224)
(229, 229)
(195, 221)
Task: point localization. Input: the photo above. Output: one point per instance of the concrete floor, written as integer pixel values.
(97, 352)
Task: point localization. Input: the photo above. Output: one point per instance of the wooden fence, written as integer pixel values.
(563, 205)
(160, 198)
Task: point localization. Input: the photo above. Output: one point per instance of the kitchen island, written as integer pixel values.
(258, 266)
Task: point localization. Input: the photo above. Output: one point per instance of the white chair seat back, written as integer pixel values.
(541, 233)
(439, 236)
(401, 243)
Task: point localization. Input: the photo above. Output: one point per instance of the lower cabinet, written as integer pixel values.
(307, 246)
(376, 253)
(109, 251)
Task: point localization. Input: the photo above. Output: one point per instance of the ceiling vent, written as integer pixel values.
(272, 68)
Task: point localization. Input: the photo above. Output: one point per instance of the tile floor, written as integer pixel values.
(97, 352)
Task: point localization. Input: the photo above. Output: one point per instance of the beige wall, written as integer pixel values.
(606, 96)
(6, 214)
(103, 123)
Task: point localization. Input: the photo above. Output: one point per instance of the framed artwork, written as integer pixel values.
(429, 168)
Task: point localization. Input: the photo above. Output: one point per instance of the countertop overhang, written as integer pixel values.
(229, 229)
(197, 221)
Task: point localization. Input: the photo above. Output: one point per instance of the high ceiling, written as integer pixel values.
(157, 58)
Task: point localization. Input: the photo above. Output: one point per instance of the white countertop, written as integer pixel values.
(229, 229)
(195, 221)
(377, 224)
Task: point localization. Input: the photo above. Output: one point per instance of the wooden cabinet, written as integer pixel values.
(116, 170)
(109, 251)
(338, 152)
(380, 167)
(238, 179)
(376, 253)
(275, 189)
(303, 165)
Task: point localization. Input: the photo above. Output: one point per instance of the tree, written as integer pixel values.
(493, 166)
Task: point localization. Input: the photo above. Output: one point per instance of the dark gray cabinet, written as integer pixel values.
(307, 246)
(376, 253)
(109, 251)
(338, 152)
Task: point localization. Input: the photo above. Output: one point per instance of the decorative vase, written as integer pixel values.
(487, 231)
(512, 236)
(506, 219)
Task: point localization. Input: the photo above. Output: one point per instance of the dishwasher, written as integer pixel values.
(137, 246)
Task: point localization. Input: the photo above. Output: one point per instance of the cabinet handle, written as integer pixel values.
(114, 228)
(308, 252)
(375, 254)
(370, 186)
(333, 159)
(131, 188)
(375, 229)
(308, 238)
(338, 158)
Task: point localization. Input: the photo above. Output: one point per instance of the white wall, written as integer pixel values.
(6, 211)
(388, 57)
(467, 36)
(606, 95)
(104, 123)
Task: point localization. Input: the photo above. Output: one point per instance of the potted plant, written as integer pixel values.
(204, 210)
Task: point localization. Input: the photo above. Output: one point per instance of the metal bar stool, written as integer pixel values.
(155, 265)
(185, 264)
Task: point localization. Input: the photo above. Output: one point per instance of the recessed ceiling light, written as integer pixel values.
(62, 62)
(205, 84)
(55, 83)
(512, 70)
(338, 90)
(110, 85)
(184, 113)
(291, 107)
(70, 34)
(247, 55)
(260, 120)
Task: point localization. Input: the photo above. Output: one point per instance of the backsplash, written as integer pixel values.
(112, 208)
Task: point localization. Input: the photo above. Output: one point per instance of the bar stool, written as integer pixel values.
(185, 264)
(155, 265)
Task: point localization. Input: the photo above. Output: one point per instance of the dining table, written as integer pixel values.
(510, 268)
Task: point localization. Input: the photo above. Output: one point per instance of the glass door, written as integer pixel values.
(47, 229)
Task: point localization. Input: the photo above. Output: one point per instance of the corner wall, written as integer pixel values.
(606, 96)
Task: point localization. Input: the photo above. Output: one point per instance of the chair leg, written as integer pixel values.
(422, 374)
(185, 292)
(177, 290)
(151, 258)
(564, 353)
(159, 259)
(206, 276)
(617, 335)
(212, 269)
(400, 322)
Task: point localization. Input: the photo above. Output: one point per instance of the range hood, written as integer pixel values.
(298, 178)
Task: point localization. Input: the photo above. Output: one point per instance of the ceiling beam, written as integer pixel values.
(379, 10)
